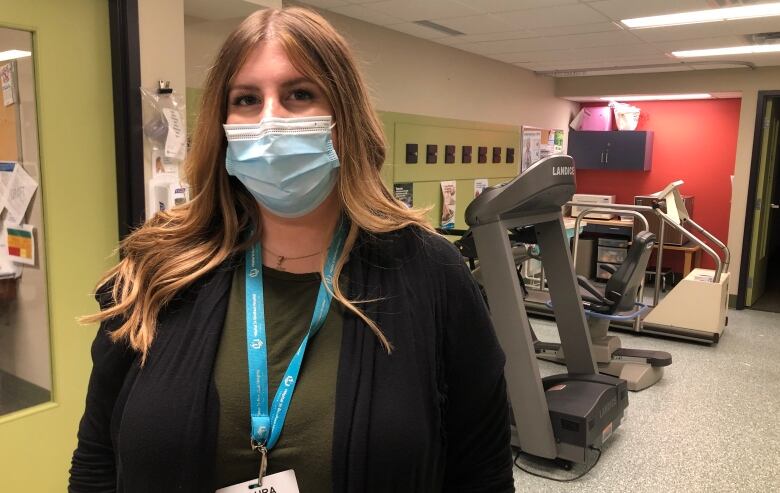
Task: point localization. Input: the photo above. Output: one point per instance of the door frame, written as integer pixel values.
(128, 131)
(755, 166)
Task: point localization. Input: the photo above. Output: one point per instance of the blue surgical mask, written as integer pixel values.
(288, 164)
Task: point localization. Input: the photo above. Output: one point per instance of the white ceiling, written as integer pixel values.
(556, 37)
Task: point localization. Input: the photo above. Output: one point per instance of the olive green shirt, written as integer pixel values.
(306, 440)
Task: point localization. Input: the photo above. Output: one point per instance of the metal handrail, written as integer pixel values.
(680, 229)
(624, 210)
(581, 216)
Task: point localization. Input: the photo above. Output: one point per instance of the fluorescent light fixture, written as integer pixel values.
(657, 97)
(701, 16)
(13, 54)
(733, 50)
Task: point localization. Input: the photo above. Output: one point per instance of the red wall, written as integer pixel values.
(694, 141)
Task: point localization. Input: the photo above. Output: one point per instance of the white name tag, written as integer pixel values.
(281, 482)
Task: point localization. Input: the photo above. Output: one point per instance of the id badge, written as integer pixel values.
(281, 482)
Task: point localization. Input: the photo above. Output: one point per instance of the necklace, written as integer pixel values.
(280, 259)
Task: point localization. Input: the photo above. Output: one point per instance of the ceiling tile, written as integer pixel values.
(603, 62)
(420, 31)
(366, 13)
(701, 43)
(416, 10)
(489, 6)
(475, 38)
(764, 60)
(626, 51)
(673, 33)
(545, 18)
(752, 26)
(629, 9)
(476, 24)
(598, 27)
(556, 42)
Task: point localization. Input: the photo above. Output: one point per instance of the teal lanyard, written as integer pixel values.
(267, 426)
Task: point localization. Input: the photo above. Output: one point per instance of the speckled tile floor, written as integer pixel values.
(712, 424)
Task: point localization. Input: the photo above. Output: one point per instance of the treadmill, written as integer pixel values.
(560, 416)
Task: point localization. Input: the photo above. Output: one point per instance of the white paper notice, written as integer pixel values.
(448, 201)
(480, 184)
(7, 81)
(176, 140)
(20, 192)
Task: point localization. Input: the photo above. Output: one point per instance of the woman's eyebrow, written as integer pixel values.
(285, 85)
(296, 81)
(243, 87)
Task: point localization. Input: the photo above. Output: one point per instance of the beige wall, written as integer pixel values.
(411, 75)
(748, 82)
(161, 41)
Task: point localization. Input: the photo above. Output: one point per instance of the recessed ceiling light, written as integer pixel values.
(13, 54)
(700, 16)
(733, 50)
(658, 97)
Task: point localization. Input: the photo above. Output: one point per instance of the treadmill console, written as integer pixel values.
(544, 187)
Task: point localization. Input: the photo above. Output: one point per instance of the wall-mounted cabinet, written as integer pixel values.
(627, 150)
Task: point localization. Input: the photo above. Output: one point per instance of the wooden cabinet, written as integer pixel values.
(627, 150)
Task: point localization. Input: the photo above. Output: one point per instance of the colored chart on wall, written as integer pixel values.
(21, 244)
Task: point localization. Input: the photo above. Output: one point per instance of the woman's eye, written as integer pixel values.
(246, 100)
(301, 95)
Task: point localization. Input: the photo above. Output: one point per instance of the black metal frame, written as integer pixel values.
(128, 135)
(755, 166)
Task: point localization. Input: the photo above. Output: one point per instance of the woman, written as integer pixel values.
(199, 380)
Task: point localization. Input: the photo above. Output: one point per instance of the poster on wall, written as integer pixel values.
(7, 81)
(532, 145)
(405, 193)
(480, 184)
(538, 143)
(448, 204)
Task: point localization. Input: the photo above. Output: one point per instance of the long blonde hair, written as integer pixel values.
(176, 247)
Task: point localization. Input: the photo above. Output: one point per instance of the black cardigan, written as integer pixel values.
(431, 416)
